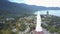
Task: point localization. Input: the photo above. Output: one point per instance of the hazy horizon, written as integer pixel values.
(47, 3)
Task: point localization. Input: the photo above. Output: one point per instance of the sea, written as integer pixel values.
(51, 12)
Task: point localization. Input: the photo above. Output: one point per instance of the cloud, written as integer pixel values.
(47, 3)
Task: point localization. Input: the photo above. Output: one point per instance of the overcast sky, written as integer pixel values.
(47, 3)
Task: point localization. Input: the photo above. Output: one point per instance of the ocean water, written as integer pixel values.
(51, 12)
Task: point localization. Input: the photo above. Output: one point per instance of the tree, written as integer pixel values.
(52, 29)
(22, 27)
(32, 27)
(59, 31)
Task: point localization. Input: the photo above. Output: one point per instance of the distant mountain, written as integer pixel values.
(21, 8)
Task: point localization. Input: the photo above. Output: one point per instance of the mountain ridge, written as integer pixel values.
(22, 8)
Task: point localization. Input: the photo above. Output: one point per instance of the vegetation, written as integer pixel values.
(52, 23)
(22, 27)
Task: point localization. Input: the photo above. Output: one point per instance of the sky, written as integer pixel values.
(47, 3)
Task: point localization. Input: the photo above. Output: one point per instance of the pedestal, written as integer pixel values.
(35, 32)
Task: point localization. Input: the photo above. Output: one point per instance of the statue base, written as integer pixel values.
(35, 32)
